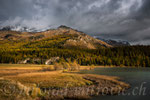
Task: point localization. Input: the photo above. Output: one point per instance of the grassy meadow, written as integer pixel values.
(32, 79)
(33, 74)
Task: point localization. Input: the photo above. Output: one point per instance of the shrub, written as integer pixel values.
(66, 66)
(35, 92)
(74, 66)
(58, 66)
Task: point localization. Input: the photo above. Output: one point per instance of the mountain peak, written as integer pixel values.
(64, 27)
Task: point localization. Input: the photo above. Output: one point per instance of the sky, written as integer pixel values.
(110, 19)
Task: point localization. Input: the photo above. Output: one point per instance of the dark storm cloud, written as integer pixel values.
(144, 12)
(121, 19)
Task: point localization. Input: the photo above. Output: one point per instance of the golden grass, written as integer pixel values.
(15, 69)
(50, 79)
(22, 66)
(10, 72)
(31, 66)
(31, 74)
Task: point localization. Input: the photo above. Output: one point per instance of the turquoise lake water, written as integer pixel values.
(138, 78)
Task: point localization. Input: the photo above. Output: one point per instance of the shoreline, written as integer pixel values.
(102, 85)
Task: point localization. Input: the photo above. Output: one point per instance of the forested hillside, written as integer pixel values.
(68, 44)
(119, 56)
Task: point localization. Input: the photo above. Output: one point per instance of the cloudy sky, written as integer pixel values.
(116, 19)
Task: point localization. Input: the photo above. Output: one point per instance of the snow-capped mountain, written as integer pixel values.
(18, 28)
(114, 42)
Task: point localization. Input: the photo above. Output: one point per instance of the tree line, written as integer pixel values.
(138, 56)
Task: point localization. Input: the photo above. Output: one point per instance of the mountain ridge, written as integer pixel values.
(72, 37)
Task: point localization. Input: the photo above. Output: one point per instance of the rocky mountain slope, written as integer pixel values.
(61, 37)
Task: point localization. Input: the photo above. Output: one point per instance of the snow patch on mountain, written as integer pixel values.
(114, 42)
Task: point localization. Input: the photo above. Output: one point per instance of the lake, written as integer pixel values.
(138, 78)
